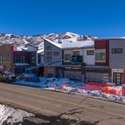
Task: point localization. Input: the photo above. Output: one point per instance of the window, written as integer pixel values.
(49, 59)
(48, 53)
(48, 47)
(56, 53)
(100, 56)
(77, 59)
(117, 50)
(76, 53)
(90, 52)
(4, 58)
(67, 57)
(1, 59)
(39, 58)
(117, 77)
(20, 59)
(33, 59)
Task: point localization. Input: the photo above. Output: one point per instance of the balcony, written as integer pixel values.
(74, 60)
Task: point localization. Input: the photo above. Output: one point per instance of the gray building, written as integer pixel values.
(117, 60)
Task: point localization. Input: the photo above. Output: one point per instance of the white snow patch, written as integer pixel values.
(11, 115)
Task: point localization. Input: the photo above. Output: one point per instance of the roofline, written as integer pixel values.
(32, 45)
(90, 47)
(51, 42)
(110, 38)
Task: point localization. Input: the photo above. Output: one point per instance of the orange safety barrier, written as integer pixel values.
(114, 90)
(95, 85)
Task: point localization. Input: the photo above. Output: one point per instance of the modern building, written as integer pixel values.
(117, 59)
(66, 58)
(100, 72)
(76, 59)
(77, 54)
(52, 59)
(99, 60)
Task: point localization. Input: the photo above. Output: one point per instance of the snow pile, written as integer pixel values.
(12, 116)
(106, 91)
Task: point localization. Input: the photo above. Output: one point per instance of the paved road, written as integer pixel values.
(54, 103)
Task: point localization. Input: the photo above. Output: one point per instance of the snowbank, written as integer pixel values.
(12, 116)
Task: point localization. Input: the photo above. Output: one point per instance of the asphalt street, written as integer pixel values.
(50, 103)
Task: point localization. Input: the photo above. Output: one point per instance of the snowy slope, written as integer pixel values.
(67, 39)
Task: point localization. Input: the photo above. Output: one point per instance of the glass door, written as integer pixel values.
(117, 78)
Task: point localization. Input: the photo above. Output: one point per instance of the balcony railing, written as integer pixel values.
(75, 60)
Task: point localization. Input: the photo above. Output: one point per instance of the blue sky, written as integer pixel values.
(94, 17)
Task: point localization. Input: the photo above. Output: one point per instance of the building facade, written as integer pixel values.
(12, 60)
(100, 72)
(52, 59)
(6, 58)
(75, 60)
(102, 61)
(23, 60)
(117, 60)
(72, 60)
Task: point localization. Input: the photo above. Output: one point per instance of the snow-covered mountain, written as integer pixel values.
(35, 40)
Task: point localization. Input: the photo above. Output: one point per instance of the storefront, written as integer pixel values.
(73, 73)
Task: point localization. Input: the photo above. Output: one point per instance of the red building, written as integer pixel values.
(15, 61)
(23, 60)
(102, 52)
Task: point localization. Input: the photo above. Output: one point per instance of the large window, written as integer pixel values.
(67, 58)
(77, 59)
(49, 60)
(48, 53)
(117, 50)
(20, 59)
(56, 53)
(100, 55)
(48, 47)
(39, 58)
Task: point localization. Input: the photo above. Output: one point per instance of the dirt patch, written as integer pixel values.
(54, 121)
(66, 118)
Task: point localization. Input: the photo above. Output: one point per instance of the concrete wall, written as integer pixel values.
(89, 59)
(68, 51)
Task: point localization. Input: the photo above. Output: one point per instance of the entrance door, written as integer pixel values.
(117, 78)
